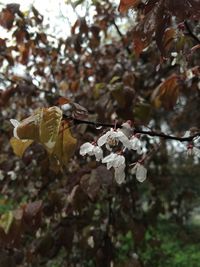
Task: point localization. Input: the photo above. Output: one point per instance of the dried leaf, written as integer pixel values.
(126, 4)
(140, 42)
(184, 9)
(32, 209)
(144, 31)
(45, 127)
(163, 21)
(91, 184)
(49, 127)
(167, 39)
(167, 92)
(13, 7)
(65, 144)
(29, 127)
(6, 19)
(19, 146)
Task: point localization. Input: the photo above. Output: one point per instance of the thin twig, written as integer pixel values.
(122, 37)
(135, 130)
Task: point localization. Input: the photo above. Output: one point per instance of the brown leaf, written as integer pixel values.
(144, 31)
(28, 128)
(77, 198)
(104, 175)
(65, 144)
(6, 19)
(168, 38)
(163, 21)
(126, 4)
(184, 9)
(37, 16)
(140, 42)
(63, 100)
(166, 94)
(33, 208)
(2, 44)
(24, 49)
(90, 184)
(32, 214)
(19, 146)
(5, 95)
(13, 7)
(49, 127)
(45, 126)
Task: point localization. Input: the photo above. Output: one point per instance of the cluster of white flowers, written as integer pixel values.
(192, 150)
(91, 150)
(116, 160)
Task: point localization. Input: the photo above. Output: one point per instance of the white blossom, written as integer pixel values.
(15, 123)
(126, 128)
(118, 163)
(90, 241)
(187, 134)
(136, 144)
(12, 175)
(90, 149)
(140, 171)
(120, 174)
(112, 137)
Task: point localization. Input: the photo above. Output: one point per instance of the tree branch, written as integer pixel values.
(135, 130)
(122, 37)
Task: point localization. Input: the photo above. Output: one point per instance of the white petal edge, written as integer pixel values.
(120, 174)
(86, 148)
(103, 139)
(98, 152)
(15, 123)
(141, 173)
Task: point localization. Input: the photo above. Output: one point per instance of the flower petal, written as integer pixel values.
(120, 174)
(109, 165)
(110, 158)
(98, 152)
(103, 139)
(15, 123)
(187, 134)
(136, 144)
(119, 160)
(141, 173)
(123, 139)
(86, 148)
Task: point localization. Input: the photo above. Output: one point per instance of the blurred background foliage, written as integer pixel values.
(79, 216)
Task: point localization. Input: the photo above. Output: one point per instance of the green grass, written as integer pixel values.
(166, 245)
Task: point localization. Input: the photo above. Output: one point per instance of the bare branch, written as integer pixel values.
(135, 130)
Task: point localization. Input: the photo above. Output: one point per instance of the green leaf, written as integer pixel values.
(6, 221)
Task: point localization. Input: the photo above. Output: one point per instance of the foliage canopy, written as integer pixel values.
(138, 76)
